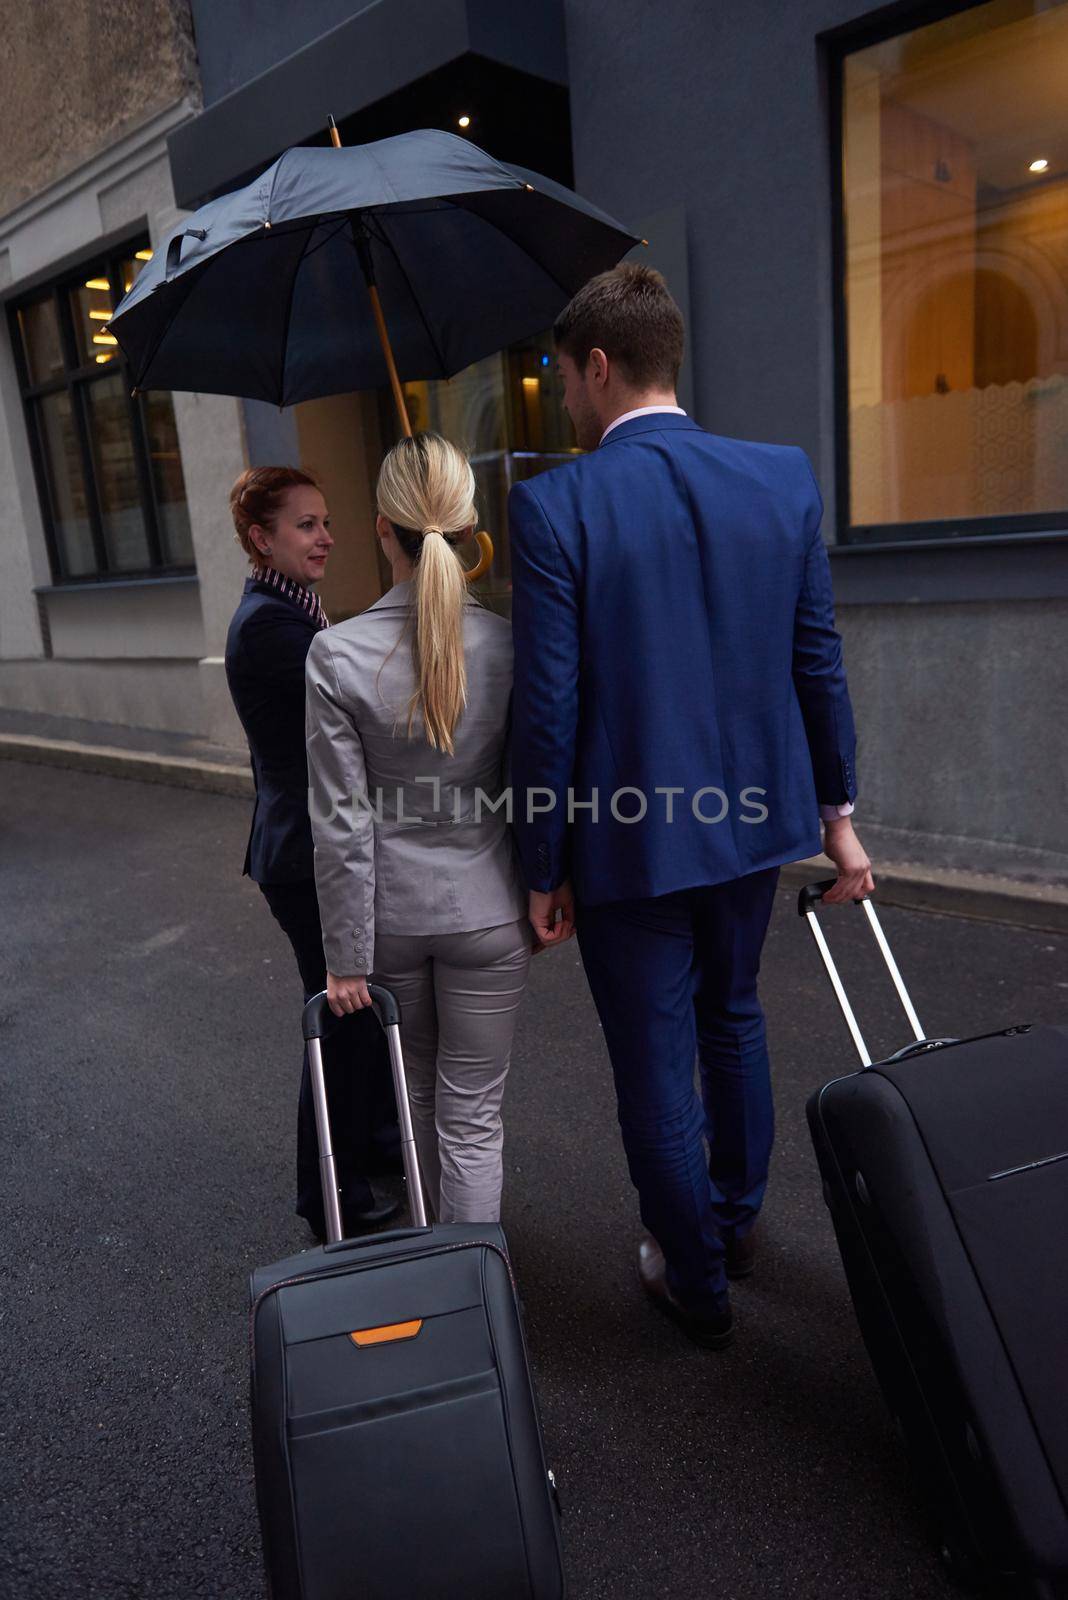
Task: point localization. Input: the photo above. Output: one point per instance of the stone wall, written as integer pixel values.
(78, 75)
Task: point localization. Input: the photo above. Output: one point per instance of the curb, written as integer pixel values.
(978, 895)
(181, 772)
(949, 892)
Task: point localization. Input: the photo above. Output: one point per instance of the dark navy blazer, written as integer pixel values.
(674, 628)
(266, 647)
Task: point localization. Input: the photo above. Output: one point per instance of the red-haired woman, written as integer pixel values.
(282, 525)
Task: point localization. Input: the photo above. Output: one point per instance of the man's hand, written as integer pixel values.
(346, 994)
(854, 881)
(543, 915)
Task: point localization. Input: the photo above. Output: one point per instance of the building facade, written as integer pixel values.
(863, 211)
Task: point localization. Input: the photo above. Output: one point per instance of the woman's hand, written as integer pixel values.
(346, 994)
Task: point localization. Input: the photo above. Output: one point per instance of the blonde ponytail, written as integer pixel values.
(426, 489)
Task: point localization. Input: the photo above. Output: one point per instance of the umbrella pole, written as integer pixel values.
(485, 543)
(380, 321)
(387, 351)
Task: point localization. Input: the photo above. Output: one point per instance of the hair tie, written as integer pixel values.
(433, 528)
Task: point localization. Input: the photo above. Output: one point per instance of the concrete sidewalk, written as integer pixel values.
(958, 877)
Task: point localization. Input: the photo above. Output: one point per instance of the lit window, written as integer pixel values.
(955, 184)
(507, 411)
(110, 475)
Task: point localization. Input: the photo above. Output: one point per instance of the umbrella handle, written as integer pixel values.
(485, 560)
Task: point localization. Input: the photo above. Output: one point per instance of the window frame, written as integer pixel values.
(76, 380)
(890, 23)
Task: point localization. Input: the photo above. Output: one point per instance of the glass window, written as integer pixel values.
(955, 182)
(39, 328)
(130, 268)
(66, 481)
(131, 516)
(168, 479)
(91, 304)
(507, 413)
(117, 486)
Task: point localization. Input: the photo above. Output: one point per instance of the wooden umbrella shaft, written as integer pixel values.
(376, 308)
(485, 543)
(391, 365)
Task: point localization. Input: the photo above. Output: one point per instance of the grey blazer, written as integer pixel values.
(406, 840)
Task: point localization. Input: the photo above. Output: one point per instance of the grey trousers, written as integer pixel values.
(459, 995)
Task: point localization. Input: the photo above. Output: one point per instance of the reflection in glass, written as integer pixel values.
(168, 480)
(130, 270)
(507, 413)
(118, 488)
(40, 340)
(70, 512)
(957, 267)
(132, 473)
(91, 309)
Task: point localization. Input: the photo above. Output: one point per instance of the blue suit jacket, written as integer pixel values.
(266, 648)
(674, 628)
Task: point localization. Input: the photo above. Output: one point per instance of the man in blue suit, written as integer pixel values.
(681, 724)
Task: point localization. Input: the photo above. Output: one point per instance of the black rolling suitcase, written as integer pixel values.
(396, 1440)
(946, 1172)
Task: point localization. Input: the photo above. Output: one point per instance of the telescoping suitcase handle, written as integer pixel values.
(807, 901)
(319, 1022)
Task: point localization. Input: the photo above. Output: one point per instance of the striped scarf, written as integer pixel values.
(304, 598)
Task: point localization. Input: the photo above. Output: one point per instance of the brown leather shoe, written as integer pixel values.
(741, 1255)
(713, 1332)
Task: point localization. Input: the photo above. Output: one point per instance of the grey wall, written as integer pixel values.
(149, 654)
(238, 39)
(961, 711)
(126, 621)
(270, 435)
(720, 110)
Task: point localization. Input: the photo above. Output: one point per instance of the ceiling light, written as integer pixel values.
(103, 358)
(100, 316)
(97, 283)
(143, 255)
(463, 122)
(104, 338)
(1041, 165)
(530, 383)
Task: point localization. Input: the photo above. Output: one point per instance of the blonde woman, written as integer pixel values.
(408, 709)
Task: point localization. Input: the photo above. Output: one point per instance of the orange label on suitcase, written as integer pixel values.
(387, 1334)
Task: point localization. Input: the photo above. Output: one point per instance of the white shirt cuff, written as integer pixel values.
(832, 813)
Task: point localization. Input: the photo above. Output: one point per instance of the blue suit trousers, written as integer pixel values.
(674, 979)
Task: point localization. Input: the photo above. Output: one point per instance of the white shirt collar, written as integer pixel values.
(642, 411)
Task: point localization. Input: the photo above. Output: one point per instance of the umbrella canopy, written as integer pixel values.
(264, 292)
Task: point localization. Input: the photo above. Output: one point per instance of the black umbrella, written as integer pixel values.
(264, 292)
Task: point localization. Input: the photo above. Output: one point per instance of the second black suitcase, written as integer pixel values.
(397, 1446)
(946, 1172)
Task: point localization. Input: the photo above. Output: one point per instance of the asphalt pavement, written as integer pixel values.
(149, 1051)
